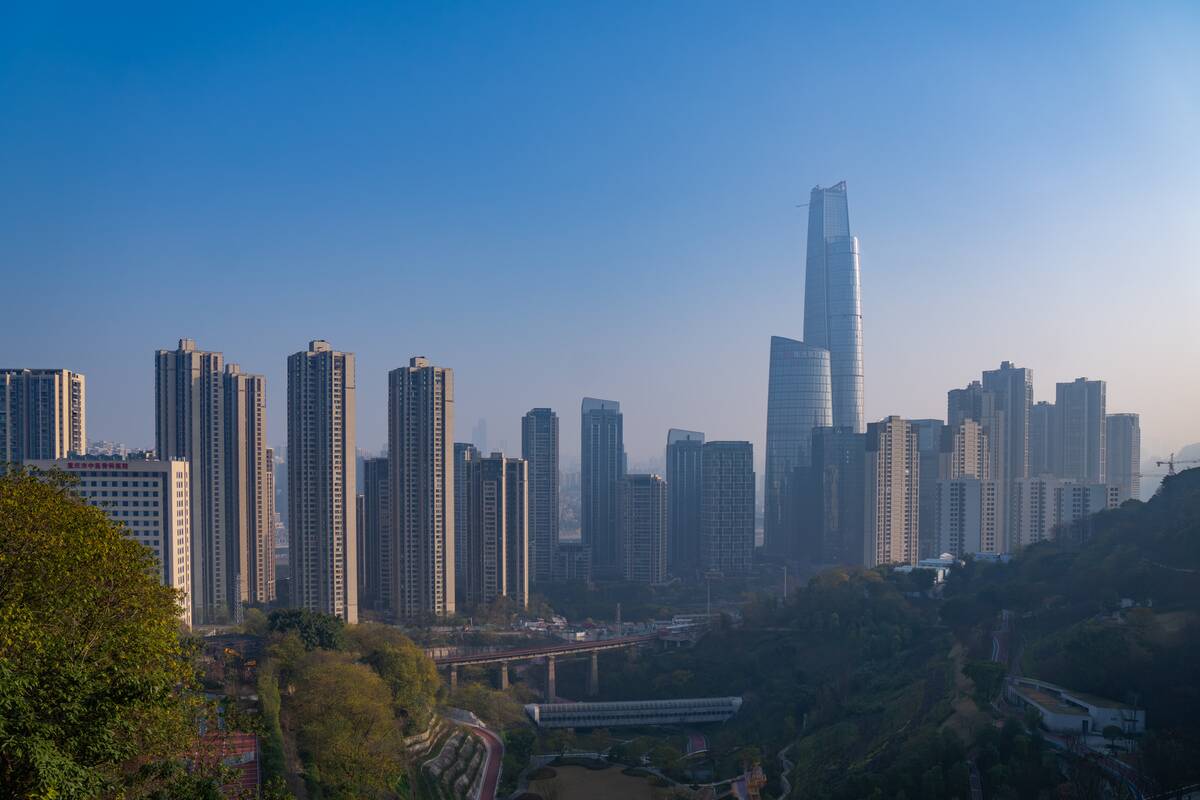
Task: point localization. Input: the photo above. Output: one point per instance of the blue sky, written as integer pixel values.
(569, 199)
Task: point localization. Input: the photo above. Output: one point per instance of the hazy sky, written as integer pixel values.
(569, 199)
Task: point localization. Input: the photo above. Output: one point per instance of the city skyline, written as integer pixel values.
(1039, 183)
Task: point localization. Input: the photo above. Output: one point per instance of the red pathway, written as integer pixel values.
(491, 769)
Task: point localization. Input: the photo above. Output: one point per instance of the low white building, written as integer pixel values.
(1066, 711)
(150, 499)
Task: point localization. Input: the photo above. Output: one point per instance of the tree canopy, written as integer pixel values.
(93, 672)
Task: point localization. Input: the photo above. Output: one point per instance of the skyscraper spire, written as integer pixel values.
(833, 301)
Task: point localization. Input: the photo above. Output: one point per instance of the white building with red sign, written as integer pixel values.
(150, 499)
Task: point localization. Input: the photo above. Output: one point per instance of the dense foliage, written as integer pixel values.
(348, 709)
(94, 676)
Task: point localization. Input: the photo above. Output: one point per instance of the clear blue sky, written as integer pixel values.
(569, 199)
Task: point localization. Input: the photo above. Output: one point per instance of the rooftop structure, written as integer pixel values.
(687, 711)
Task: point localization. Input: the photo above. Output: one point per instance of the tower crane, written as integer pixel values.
(1171, 462)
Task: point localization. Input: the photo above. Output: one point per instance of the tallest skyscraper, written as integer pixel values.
(833, 301)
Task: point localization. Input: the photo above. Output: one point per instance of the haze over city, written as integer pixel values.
(559, 202)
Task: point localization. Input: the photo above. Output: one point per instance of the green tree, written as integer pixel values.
(315, 629)
(346, 731)
(93, 672)
(404, 667)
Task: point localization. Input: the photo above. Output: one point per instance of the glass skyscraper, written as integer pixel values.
(799, 398)
(833, 301)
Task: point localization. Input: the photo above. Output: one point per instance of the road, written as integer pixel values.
(491, 770)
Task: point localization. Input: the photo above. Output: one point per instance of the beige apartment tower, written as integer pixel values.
(321, 481)
(421, 463)
(250, 492)
(43, 414)
(214, 416)
(893, 478)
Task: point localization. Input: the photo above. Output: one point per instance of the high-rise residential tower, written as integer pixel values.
(986, 407)
(1123, 452)
(466, 455)
(799, 399)
(516, 530)
(43, 414)
(833, 300)
(1081, 430)
(495, 527)
(684, 481)
(421, 454)
(249, 488)
(1013, 388)
(727, 507)
(892, 490)
(643, 530)
(321, 467)
(190, 426)
(602, 455)
(377, 556)
(539, 447)
(1043, 439)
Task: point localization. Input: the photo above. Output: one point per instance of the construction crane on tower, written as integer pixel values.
(1171, 462)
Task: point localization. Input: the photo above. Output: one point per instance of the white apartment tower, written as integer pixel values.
(321, 469)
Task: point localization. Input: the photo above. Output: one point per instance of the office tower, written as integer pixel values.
(643, 532)
(321, 466)
(684, 479)
(892, 490)
(43, 414)
(190, 421)
(420, 449)
(602, 454)
(150, 499)
(247, 490)
(539, 447)
(799, 399)
(833, 301)
(929, 446)
(479, 435)
(516, 530)
(1123, 454)
(376, 557)
(836, 513)
(727, 507)
(1081, 430)
(465, 455)
(1043, 439)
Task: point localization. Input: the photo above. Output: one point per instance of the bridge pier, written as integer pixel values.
(550, 679)
(593, 687)
(453, 677)
(503, 675)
